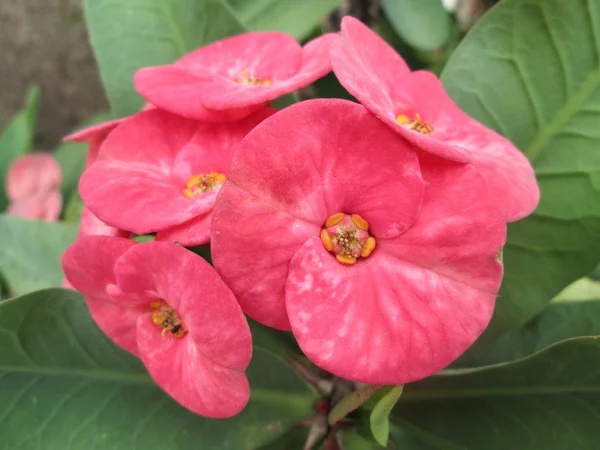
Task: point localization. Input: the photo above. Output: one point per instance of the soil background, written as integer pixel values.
(44, 42)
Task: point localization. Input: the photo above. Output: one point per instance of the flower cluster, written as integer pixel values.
(372, 231)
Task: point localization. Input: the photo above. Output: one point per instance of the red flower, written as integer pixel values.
(385, 267)
(415, 105)
(158, 172)
(167, 305)
(235, 76)
(32, 187)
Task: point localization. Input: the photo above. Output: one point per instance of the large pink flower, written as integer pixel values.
(167, 305)
(416, 106)
(385, 268)
(158, 172)
(235, 75)
(32, 187)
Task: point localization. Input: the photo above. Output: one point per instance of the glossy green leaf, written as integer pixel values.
(71, 158)
(30, 252)
(380, 416)
(17, 137)
(530, 69)
(424, 24)
(546, 401)
(297, 18)
(129, 34)
(559, 321)
(65, 386)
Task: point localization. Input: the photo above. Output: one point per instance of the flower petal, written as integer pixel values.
(149, 138)
(333, 156)
(88, 263)
(180, 367)
(175, 89)
(116, 321)
(195, 231)
(94, 132)
(137, 198)
(366, 65)
(380, 321)
(90, 225)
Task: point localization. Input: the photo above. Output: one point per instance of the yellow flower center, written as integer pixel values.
(416, 124)
(347, 237)
(165, 317)
(245, 78)
(202, 183)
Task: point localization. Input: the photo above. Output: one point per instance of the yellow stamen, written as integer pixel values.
(368, 247)
(334, 219)
(500, 255)
(345, 259)
(246, 79)
(201, 183)
(166, 318)
(155, 304)
(359, 222)
(417, 124)
(326, 240)
(402, 119)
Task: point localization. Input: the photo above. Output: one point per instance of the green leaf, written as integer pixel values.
(424, 24)
(71, 158)
(64, 385)
(546, 401)
(17, 137)
(530, 69)
(379, 418)
(30, 252)
(295, 18)
(559, 321)
(129, 34)
(74, 208)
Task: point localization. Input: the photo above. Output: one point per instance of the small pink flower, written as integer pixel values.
(236, 75)
(384, 267)
(158, 172)
(167, 305)
(32, 186)
(415, 105)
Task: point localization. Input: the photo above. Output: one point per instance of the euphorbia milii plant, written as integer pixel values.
(167, 306)
(415, 105)
(384, 265)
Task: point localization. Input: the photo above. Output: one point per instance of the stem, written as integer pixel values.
(350, 402)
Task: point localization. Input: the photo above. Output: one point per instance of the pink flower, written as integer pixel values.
(166, 305)
(236, 75)
(158, 172)
(32, 187)
(416, 106)
(384, 267)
